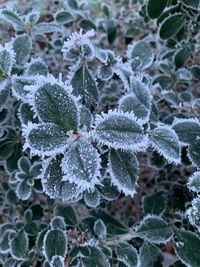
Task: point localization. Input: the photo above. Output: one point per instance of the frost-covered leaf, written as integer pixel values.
(193, 212)
(154, 203)
(96, 258)
(22, 47)
(127, 254)
(36, 66)
(119, 130)
(19, 246)
(138, 101)
(52, 182)
(92, 199)
(85, 118)
(5, 238)
(172, 25)
(64, 17)
(184, 126)
(67, 212)
(57, 222)
(55, 104)
(105, 72)
(186, 245)
(45, 27)
(23, 190)
(19, 89)
(81, 165)
(140, 55)
(181, 56)
(194, 182)
(57, 261)
(55, 244)
(194, 152)
(45, 139)
(13, 18)
(24, 164)
(124, 171)
(26, 114)
(7, 58)
(166, 142)
(154, 229)
(195, 4)
(107, 190)
(149, 254)
(84, 85)
(100, 229)
(155, 8)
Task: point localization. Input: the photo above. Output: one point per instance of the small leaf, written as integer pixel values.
(120, 131)
(26, 114)
(140, 55)
(195, 4)
(181, 57)
(155, 8)
(22, 47)
(127, 254)
(124, 171)
(55, 244)
(107, 190)
(36, 66)
(19, 246)
(92, 199)
(85, 118)
(57, 261)
(67, 212)
(193, 212)
(45, 27)
(154, 229)
(194, 182)
(13, 18)
(7, 58)
(111, 31)
(166, 142)
(81, 165)
(148, 255)
(57, 222)
(23, 190)
(52, 182)
(138, 101)
(45, 139)
(172, 25)
(184, 126)
(186, 245)
(73, 4)
(84, 85)
(154, 203)
(96, 258)
(100, 229)
(64, 17)
(54, 104)
(19, 89)
(105, 72)
(194, 153)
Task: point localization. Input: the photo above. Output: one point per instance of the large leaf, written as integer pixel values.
(124, 171)
(154, 229)
(120, 131)
(186, 245)
(155, 8)
(194, 153)
(81, 165)
(55, 243)
(19, 246)
(84, 85)
(172, 25)
(54, 104)
(127, 254)
(166, 142)
(45, 139)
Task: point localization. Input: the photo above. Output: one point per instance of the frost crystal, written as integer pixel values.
(194, 182)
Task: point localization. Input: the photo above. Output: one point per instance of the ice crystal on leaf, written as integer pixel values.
(194, 182)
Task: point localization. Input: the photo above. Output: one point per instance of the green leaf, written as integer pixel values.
(57, 261)
(100, 229)
(111, 31)
(96, 258)
(22, 47)
(7, 59)
(85, 118)
(46, 27)
(64, 17)
(81, 165)
(181, 57)
(154, 229)
(20, 87)
(155, 8)
(55, 104)
(45, 139)
(184, 126)
(23, 190)
(92, 199)
(193, 212)
(105, 72)
(165, 141)
(172, 25)
(19, 246)
(108, 191)
(55, 243)
(148, 255)
(127, 254)
(73, 4)
(36, 66)
(119, 131)
(194, 153)
(54, 186)
(195, 4)
(194, 182)
(84, 85)
(124, 171)
(186, 245)
(13, 18)
(138, 101)
(154, 203)
(141, 56)
(57, 222)
(67, 212)
(26, 114)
